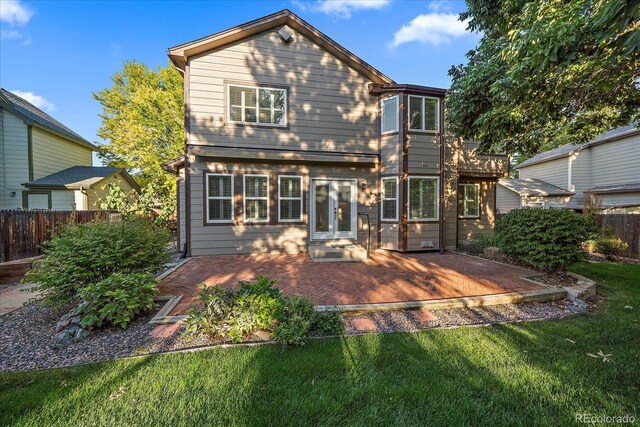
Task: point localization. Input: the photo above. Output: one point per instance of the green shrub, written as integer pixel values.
(608, 245)
(82, 254)
(481, 241)
(235, 314)
(299, 320)
(116, 300)
(258, 305)
(548, 239)
(295, 321)
(326, 323)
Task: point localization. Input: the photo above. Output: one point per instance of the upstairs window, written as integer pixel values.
(257, 105)
(256, 198)
(389, 120)
(469, 200)
(390, 199)
(423, 198)
(423, 113)
(290, 191)
(219, 198)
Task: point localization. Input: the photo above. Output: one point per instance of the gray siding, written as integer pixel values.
(424, 154)
(554, 172)
(329, 106)
(287, 238)
(62, 200)
(632, 198)
(616, 162)
(417, 232)
(580, 175)
(506, 200)
(390, 154)
(15, 160)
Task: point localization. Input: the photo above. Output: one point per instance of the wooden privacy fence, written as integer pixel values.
(22, 233)
(626, 227)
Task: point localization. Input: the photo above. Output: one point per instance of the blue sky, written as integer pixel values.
(57, 53)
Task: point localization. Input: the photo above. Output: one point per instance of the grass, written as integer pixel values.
(525, 373)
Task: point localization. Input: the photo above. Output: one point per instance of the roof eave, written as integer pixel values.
(180, 54)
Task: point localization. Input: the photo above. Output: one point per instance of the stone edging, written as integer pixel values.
(539, 295)
(585, 288)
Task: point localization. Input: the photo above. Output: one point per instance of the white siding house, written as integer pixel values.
(603, 173)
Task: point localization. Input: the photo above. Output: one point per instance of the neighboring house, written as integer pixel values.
(603, 174)
(294, 143)
(46, 165)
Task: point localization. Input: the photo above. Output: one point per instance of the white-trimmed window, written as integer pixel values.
(257, 105)
(390, 199)
(290, 195)
(469, 200)
(424, 113)
(423, 198)
(219, 197)
(389, 116)
(256, 198)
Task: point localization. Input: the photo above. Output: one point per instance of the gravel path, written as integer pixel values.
(396, 321)
(27, 334)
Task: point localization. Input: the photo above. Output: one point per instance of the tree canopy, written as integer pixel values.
(546, 72)
(143, 121)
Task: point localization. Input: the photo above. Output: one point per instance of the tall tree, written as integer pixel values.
(143, 121)
(546, 72)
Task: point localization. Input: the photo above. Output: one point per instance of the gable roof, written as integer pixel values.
(568, 149)
(33, 114)
(181, 53)
(77, 177)
(533, 187)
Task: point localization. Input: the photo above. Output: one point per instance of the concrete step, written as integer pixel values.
(337, 252)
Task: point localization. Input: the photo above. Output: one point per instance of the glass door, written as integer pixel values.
(334, 209)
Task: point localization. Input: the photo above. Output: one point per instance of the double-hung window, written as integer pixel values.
(423, 113)
(390, 199)
(256, 198)
(423, 198)
(469, 200)
(389, 121)
(219, 197)
(290, 194)
(257, 105)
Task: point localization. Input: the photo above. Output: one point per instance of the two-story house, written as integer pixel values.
(603, 174)
(294, 144)
(46, 165)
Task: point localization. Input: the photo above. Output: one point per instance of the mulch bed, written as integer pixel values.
(398, 321)
(27, 334)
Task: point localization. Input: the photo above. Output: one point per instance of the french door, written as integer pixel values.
(333, 209)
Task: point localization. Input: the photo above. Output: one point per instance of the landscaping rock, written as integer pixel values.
(62, 324)
(491, 252)
(70, 334)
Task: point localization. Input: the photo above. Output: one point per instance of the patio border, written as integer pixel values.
(539, 295)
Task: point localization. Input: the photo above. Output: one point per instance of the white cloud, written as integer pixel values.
(13, 12)
(344, 8)
(37, 100)
(10, 35)
(435, 28)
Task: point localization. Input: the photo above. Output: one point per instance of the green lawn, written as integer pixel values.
(525, 373)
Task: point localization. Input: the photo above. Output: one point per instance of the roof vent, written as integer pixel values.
(286, 34)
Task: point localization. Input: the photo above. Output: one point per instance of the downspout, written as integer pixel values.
(441, 222)
(186, 251)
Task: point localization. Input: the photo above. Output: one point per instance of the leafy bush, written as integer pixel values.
(482, 241)
(548, 239)
(299, 320)
(234, 314)
(608, 245)
(116, 300)
(327, 323)
(83, 254)
(258, 305)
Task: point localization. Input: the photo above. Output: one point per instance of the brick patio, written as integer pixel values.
(386, 277)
